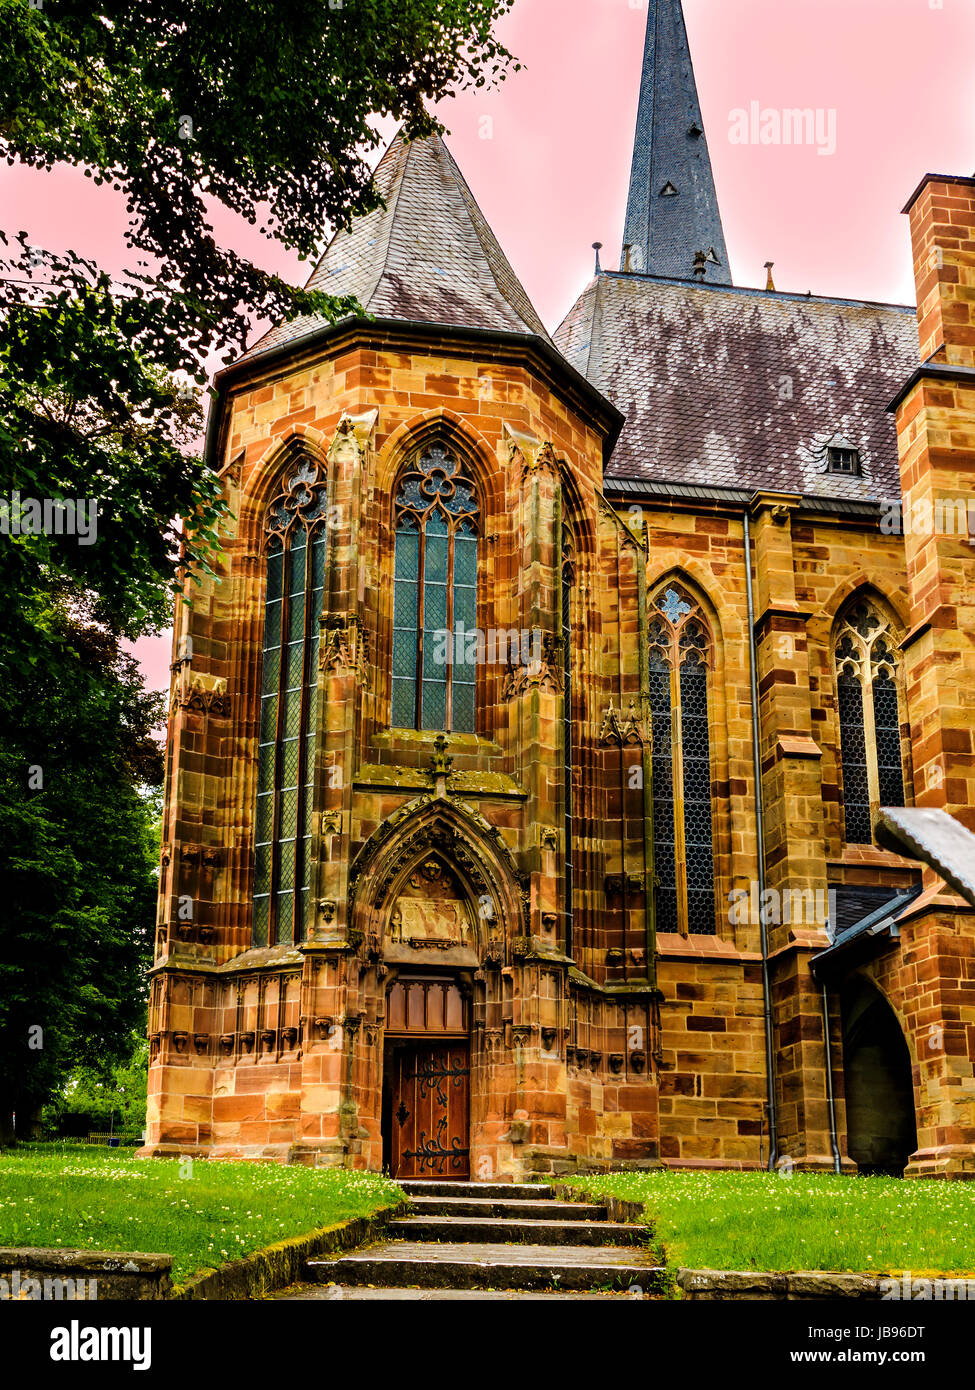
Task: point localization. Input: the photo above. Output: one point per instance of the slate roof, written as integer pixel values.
(672, 210)
(735, 388)
(427, 256)
(882, 919)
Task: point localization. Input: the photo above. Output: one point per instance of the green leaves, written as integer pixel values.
(270, 110)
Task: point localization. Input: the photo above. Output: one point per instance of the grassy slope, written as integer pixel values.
(729, 1220)
(203, 1214)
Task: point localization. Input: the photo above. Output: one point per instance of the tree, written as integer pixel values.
(77, 858)
(268, 109)
(106, 1096)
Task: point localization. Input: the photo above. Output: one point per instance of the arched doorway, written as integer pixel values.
(426, 1077)
(880, 1118)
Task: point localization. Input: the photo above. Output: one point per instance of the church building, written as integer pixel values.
(526, 752)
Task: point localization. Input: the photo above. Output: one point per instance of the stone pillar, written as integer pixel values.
(796, 909)
(936, 444)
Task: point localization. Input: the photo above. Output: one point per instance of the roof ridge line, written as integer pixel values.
(468, 200)
(391, 212)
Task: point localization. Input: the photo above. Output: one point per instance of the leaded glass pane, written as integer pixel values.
(296, 618)
(437, 654)
(435, 607)
(288, 767)
(269, 723)
(262, 917)
(296, 565)
(404, 655)
(275, 571)
(286, 864)
(272, 670)
(285, 905)
(465, 609)
(293, 672)
(404, 703)
(434, 705)
(318, 561)
(435, 557)
(272, 625)
(265, 813)
(463, 708)
(889, 759)
(407, 554)
(465, 561)
(405, 604)
(697, 799)
(262, 868)
(663, 800)
(292, 713)
(853, 752)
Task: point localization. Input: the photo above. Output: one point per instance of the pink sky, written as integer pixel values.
(553, 174)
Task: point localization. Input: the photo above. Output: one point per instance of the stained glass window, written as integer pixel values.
(435, 596)
(680, 652)
(868, 702)
(295, 569)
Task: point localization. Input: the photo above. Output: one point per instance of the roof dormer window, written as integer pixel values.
(843, 458)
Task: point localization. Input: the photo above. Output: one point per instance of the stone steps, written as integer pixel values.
(471, 1265)
(509, 1210)
(467, 1240)
(502, 1230)
(422, 1187)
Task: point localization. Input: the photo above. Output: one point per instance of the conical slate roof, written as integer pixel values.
(427, 256)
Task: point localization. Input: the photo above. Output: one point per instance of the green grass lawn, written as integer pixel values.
(760, 1221)
(203, 1214)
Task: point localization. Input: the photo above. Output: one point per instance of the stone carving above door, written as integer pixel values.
(432, 908)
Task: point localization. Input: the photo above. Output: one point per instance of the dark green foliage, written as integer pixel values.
(268, 109)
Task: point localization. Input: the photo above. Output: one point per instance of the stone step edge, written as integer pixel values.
(501, 1191)
(418, 1220)
(568, 1211)
(442, 1273)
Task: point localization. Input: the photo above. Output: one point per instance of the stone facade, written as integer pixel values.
(601, 1031)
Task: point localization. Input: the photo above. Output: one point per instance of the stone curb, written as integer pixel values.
(277, 1266)
(117, 1274)
(714, 1285)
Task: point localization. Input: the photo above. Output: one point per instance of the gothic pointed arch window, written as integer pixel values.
(869, 705)
(294, 554)
(680, 664)
(435, 595)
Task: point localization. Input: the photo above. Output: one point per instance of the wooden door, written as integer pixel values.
(430, 1110)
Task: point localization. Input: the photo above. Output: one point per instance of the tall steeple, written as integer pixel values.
(673, 223)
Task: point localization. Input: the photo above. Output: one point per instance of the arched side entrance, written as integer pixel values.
(435, 899)
(880, 1116)
(426, 1076)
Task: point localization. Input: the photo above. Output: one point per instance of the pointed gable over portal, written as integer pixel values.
(426, 256)
(672, 213)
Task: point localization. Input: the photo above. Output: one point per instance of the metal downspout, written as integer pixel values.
(830, 1098)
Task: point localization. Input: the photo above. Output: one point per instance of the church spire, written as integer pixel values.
(672, 215)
